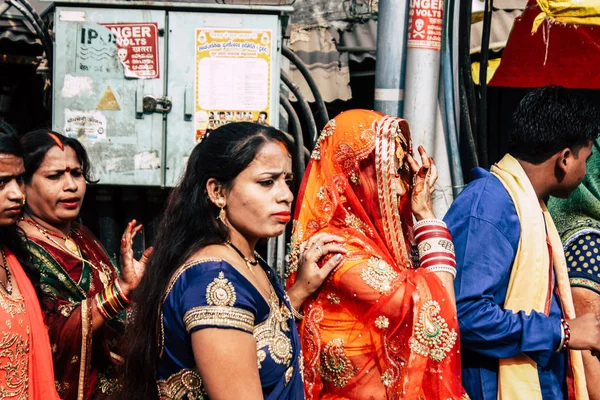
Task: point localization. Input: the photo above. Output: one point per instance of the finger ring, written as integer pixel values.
(318, 247)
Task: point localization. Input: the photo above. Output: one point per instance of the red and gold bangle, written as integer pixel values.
(121, 293)
(110, 302)
(436, 251)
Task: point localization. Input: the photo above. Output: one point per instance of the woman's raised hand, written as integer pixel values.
(310, 275)
(132, 270)
(425, 177)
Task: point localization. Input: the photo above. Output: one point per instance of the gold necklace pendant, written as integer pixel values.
(71, 245)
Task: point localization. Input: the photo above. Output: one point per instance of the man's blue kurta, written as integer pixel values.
(485, 229)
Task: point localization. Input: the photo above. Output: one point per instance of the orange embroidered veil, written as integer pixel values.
(377, 328)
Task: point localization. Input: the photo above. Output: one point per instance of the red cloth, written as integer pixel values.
(41, 372)
(566, 55)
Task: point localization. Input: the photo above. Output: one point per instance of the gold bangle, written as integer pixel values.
(100, 307)
(298, 315)
(121, 293)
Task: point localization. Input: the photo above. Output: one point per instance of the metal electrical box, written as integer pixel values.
(139, 82)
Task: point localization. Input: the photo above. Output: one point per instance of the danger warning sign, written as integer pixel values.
(425, 21)
(137, 48)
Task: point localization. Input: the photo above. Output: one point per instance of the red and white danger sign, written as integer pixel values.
(137, 48)
(425, 20)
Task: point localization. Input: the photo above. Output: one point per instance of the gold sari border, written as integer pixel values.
(223, 316)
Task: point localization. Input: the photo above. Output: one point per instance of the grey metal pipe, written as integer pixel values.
(298, 63)
(391, 57)
(485, 51)
(296, 133)
(310, 119)
(449, 101)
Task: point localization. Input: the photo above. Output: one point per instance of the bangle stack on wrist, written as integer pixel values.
(436, 251)
(111, 301)
(298, 315)
(566, 335)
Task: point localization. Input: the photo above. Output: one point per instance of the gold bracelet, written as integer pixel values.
(299, 316)
(100, 307)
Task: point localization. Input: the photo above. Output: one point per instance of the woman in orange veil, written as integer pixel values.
(379, 328)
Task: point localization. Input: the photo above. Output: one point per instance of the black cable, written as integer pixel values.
(483, 64)
(298, 63)
(310, 119)
(296, 129)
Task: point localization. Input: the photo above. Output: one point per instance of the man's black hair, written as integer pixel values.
(550, 119)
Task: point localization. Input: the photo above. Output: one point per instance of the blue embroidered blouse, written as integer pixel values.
(213, 294)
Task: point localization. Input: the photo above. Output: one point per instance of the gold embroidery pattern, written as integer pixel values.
(186, 384)
(333, 298)
(379, 275)
(288, 375)
(382, 322)
(14, 361)
(335, 366)
(269, 334)
(220, 292)
(61, 388)
(294, 256)
(325, 133)
(11, 304)
(387, 378)
(109, 386)
(353, 221)
(67, 309)
(432, 338)
(219, 315)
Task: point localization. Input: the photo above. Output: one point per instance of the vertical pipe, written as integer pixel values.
(163, 155)
(390, 57)
(425, 29)
(485, 49)
(422, 72)
(449, 101)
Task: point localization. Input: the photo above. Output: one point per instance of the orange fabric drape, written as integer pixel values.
(41, 371)
(377, 328)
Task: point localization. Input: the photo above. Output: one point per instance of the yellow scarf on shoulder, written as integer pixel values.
(529, 281)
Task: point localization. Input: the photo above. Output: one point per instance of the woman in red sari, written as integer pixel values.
(379, 328)
(85, 296)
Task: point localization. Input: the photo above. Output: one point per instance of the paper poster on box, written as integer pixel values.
(233, 77)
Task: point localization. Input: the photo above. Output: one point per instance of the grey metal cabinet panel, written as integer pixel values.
(183, 73)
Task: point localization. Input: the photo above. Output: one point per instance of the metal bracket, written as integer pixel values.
(187, 104)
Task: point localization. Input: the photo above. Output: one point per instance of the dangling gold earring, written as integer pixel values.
(222, 215)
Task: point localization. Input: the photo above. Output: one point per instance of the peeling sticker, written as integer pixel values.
(77, 86)
(137, 48)
(108, 101)
(90, 125)
(147, 160)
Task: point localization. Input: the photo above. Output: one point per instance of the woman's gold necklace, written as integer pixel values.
(250, 264)
(71, 247)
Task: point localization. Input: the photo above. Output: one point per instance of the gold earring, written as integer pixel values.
(222, 215)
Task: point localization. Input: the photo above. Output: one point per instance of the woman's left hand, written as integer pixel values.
(310, 276)
(132, 270)
(425, 177)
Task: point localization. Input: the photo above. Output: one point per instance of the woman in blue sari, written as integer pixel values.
(211, 314)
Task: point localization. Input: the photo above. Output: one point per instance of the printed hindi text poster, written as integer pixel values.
(233, 77)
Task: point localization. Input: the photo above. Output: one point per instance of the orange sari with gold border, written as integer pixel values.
(377, 328)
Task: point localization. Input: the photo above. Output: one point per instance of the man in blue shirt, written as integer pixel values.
(551, 141)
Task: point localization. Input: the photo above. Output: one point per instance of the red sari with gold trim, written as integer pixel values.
(85, 362)
(377, 328)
